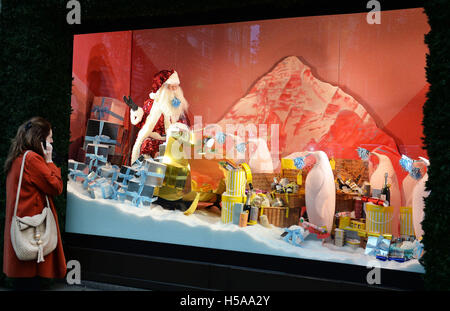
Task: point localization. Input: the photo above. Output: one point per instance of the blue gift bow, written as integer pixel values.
(101, 184)
(241, 148)
(406, 163)
(87, 180)
(220, 137)
(137, 198)
(176, 102)
(363, 153)
(292, 236)
(126, 176)
(101, 110)
(100, 138)
(95, 158)
(74, 173)
(299, 162)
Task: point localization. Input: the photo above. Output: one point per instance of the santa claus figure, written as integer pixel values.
(166, 105)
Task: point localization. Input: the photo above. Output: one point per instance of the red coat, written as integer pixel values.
(39, 178)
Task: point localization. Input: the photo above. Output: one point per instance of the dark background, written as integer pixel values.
(35, 79)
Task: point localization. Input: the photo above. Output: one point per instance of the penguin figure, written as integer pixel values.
(377, 178)
(320, 192)
(418, 202)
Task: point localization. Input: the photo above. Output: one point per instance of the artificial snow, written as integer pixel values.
(204, 228)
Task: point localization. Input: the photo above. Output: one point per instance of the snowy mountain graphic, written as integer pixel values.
(312, 114)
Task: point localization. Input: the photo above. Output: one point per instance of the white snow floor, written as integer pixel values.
(203, 228)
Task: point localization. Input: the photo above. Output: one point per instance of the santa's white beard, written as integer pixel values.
(163, 101)
(162, 105)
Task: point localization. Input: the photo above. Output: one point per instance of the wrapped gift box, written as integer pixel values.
(108, 109)
(235, 181)
(96, 155)
(126, 173)
(137, 191)
(77, 169)
(100, 189)
(103, 132)
(379, 219)
(75, 165)
(228, 203)
(152, 172)
(109, 171)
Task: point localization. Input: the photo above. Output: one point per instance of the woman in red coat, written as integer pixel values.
(40, 177)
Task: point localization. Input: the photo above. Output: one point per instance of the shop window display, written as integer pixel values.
(297, 137)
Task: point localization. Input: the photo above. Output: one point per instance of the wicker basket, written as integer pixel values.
(290, 174)
(292, 200)
(262, 181)
(277, 216)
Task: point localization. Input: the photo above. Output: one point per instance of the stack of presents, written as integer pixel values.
(101, 173)
(278, 199)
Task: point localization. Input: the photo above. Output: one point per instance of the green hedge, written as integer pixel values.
(35, 79)
(436, 124)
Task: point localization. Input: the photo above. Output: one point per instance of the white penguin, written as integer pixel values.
(320, 192)
(409, 183)
(418, 203)
(377, 179)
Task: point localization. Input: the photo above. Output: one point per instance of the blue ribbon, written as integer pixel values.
(100, 111)
(95, 158)
(101, 138)
(220, 137)
(138, 199)
(87, 180)
(241, 147)
(299, 162)
(176, 102)
(293, 235)
(143, 174)
(102, 184)
(380, 247)
(363, 153)
(406, 163)
(74, 173)
(126, 177)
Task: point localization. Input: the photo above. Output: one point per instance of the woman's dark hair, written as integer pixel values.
(29, 136)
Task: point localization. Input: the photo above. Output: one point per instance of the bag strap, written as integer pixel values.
(20, 184)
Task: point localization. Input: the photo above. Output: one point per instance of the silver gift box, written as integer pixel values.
(147, 191)
(153, 167)
(123, 170)
(75, 165)
(377, 246)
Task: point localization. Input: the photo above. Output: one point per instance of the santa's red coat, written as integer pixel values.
(39, 179)
(150, 146)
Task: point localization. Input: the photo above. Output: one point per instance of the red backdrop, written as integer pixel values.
(381, 66)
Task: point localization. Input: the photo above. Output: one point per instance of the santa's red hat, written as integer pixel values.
(164, 76)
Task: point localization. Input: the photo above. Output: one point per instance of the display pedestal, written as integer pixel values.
(161, 266)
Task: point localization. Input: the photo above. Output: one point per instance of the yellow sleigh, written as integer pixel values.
(191, 175)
